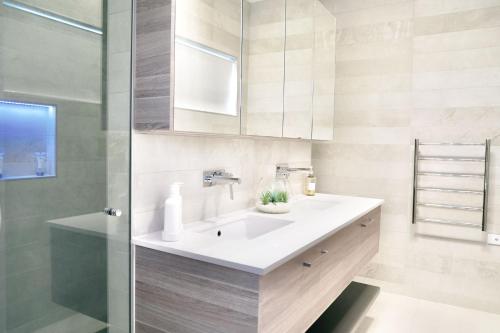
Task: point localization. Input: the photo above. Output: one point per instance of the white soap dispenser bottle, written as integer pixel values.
(172, 221)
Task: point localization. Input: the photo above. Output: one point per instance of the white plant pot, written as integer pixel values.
(270, 208)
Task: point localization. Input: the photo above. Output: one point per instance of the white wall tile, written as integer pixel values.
(160, 160)
(427, 69)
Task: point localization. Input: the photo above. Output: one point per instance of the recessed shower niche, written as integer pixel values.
(27, 140)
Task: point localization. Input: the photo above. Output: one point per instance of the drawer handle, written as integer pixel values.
(367, 223)
(309, 264)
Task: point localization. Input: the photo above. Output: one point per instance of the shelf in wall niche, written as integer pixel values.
(28, 138)
(26, 177)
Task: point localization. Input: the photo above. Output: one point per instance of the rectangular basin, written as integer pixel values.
(248, 227)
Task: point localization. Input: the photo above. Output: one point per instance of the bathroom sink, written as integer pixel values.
(248, 227)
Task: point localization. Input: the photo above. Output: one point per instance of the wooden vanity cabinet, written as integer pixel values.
(177, 294)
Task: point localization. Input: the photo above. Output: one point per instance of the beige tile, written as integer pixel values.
(387, 13)
(339, 6)
(457, 60)
(383, 66)
(438, 7)
(471, 19)
(250, 159)
(372, 117)
(376, 135)
(399, 31)
(454, 41)
(371, 84)
(456, 79)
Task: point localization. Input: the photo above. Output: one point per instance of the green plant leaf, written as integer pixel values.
(266, 198)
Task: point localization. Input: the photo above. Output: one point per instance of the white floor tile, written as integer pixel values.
(393, 313)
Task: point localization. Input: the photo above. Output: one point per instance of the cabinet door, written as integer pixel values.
(299, 58)
(309, 71)
(323, 73)
(263, 67)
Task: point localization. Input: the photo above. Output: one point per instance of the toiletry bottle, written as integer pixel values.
(1, 165)
(310, 186)
(172, 221)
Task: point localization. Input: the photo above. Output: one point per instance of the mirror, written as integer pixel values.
(288, 69)
(325, 29)
(299, 57)
(207, 66)
(264, 31)
(273, 60)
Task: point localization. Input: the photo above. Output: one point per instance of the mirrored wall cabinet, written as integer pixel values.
(251, 67)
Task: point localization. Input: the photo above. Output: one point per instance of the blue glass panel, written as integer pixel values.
(27, 140)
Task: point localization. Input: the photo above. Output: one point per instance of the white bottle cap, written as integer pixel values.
(175, 188)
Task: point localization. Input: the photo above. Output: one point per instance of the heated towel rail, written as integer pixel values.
(483, 176)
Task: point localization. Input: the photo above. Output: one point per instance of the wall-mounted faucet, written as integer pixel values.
(284, 171)
(220, 177)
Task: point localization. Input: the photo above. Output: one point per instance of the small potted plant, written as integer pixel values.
(273, 202)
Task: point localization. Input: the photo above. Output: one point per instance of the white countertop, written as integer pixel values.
(313, 220)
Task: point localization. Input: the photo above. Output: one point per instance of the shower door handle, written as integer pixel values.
(112, 212)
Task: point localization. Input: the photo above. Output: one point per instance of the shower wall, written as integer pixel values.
(42, 61)
(46, 58)
(416, 69)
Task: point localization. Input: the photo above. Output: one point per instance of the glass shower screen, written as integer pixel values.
(65, 73)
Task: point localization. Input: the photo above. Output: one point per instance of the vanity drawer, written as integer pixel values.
(282, 292)
(348, 251)
(294, 295)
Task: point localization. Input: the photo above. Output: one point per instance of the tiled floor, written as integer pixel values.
(400, 314)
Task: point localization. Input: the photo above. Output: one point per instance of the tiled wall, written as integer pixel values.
(416, 69)
(160, 160)
(60, 68)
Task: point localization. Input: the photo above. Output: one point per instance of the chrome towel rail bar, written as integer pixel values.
(450, 144)
(447, 206)
(453, 222)
(450, 190)
(451, 158)
(450, 174)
